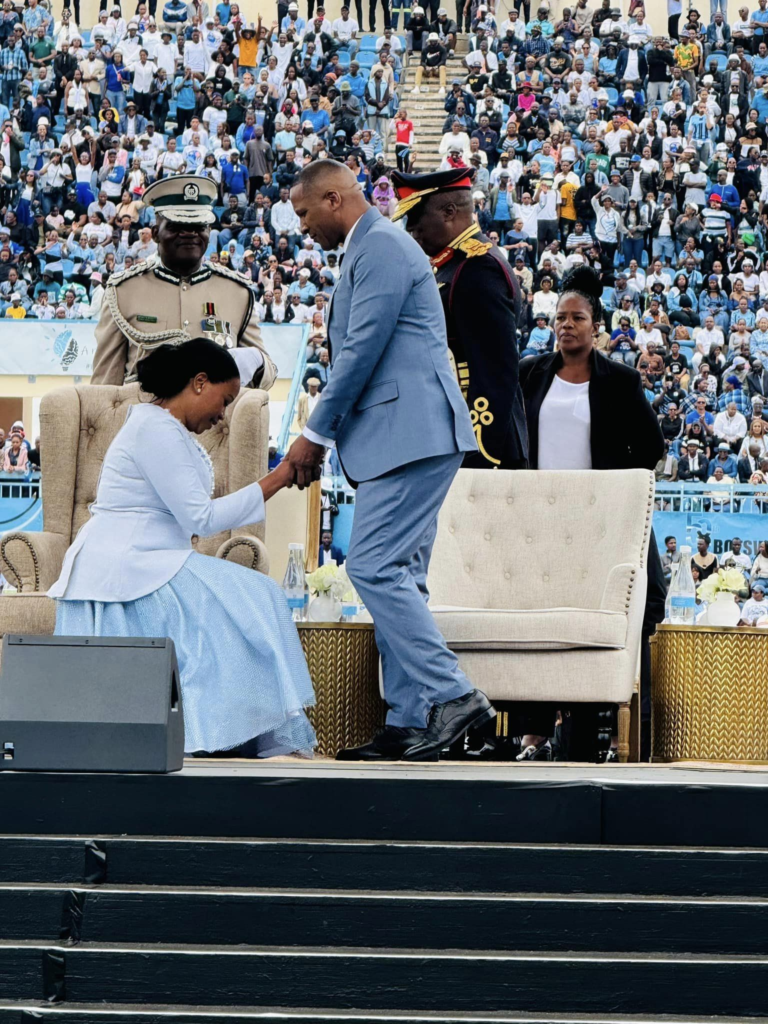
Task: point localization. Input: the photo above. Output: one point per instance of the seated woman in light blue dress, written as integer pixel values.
(131, 570)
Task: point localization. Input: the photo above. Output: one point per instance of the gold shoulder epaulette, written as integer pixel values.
(474, 247)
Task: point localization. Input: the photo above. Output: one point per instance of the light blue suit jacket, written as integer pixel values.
(392, 398)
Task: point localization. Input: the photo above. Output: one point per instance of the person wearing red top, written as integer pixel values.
(403, 129)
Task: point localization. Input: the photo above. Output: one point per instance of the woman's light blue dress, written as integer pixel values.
(243, 673)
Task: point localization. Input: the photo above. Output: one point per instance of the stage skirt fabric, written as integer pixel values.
(243, 673)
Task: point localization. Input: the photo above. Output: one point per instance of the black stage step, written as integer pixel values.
(387, 921)
(366, 979)
(73, 1014)
(613, 805)
(384, 895)
(451, 867)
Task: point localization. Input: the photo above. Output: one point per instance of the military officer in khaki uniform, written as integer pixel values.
(176, 295)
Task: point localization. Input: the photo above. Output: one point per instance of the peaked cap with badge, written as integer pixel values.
(151, 305)
(482, 303)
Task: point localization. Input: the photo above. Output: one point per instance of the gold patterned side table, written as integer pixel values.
(710, 694)
(343, 662)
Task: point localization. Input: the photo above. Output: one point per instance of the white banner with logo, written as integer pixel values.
(67, 347)
(41, 347)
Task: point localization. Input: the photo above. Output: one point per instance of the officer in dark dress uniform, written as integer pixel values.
(482, 305)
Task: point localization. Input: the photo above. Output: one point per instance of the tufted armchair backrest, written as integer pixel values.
(538, 539)
(77, 426)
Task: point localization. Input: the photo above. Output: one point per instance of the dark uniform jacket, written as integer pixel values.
(482, 302)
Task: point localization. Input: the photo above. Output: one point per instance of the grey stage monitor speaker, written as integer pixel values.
(90, 704)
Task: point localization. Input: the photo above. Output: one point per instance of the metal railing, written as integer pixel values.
(684, 496)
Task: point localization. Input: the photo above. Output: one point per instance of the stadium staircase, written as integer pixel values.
(390, 897)
(426, 108)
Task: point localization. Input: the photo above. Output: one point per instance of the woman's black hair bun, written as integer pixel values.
(585, 281)
(167, 370)
(582, 279)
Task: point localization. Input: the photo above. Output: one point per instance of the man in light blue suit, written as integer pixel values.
(395, 413)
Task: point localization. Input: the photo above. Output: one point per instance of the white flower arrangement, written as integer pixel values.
(329, 579)
(729, 581)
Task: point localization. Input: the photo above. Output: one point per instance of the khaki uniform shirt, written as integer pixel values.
(152, 301)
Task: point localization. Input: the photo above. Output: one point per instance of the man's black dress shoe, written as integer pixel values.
(389, 744)
(448, 722)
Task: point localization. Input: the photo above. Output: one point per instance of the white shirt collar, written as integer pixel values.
(348, 239)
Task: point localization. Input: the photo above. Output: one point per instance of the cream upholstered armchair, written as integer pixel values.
(77, 426)
(538, 583)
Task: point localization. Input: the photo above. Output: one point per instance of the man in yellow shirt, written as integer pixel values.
(566, 203)
(247, 49)
(689, 58)
(16, 311)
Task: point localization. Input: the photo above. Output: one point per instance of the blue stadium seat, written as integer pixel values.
(613, 95)
(68, 269)
(368, 43)
(85, 35)
(722, 60)
(402, 41)
(366, 60)
(218, 210)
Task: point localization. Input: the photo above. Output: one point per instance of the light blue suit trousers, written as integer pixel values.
(392, 536)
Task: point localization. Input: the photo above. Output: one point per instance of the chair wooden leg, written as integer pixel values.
(625, 731)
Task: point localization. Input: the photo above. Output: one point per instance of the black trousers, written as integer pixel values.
(372, 14)
(143, 102)
(655, 599)
(184, 117)
(254, 184)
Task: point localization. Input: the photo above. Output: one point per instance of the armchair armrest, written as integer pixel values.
(32, 561)
(246, 550)
(617, 592)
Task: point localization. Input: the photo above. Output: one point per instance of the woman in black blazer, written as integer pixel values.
(624, 430)
(613, 425)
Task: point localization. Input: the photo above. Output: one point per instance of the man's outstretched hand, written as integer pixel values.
(306, 458)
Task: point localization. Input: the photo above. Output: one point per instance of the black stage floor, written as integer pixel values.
(616, 805)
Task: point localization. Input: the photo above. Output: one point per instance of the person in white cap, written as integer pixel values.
(418, 29)
(16, 311)
(446, 29)
(177, 295)
(433, 63)
(293, 21)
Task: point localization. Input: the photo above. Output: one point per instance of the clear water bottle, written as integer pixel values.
(668, 602)
(682, 593)
(294, 583)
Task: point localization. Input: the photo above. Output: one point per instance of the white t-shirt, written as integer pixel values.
(754, 610)
(564, 427)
